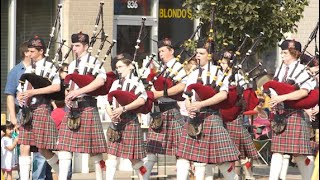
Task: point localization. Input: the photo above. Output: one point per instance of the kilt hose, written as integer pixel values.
(212, 146)
(167, 139)
(42, 132)
(131, 144)
(295, 139)
(242, 138)
(89, 138)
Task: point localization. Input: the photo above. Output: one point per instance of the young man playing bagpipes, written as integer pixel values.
(165, 138)
(37, 128)
(81, 129)
(291, 135)
(204, 139)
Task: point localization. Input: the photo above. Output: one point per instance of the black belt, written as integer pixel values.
(167, 106)
(39, 101)
(86, 101)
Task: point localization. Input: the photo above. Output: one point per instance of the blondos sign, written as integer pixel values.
(175, 13)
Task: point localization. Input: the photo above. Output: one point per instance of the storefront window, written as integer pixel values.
(127, 40)
(133, 7)
(174, 22)
(27, 26)
(4, 51)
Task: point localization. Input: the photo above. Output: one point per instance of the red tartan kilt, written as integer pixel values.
(44, 129)
(26, 135)
(166, 141)
(212, 146)
(131, 145)
(89, 138)
(242, 138)
(295, 139)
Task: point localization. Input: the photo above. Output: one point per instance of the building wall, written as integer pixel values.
(307, 24)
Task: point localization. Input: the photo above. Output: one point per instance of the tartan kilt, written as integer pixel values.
(242, 138)
(295, 139)
(26, 135)
(89, 138)
(166, 140)
(131, 145)
(212, 146)
(45, 132)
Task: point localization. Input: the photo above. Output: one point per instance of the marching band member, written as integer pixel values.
(213, 145)
(130, 145)
(294, 139)
(166, 139)
(41, 131)
(238, 133)
(87, 136)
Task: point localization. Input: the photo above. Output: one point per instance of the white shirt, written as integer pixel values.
(309, 85)
(7, 157)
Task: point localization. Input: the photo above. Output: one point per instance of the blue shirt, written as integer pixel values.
(13, 79)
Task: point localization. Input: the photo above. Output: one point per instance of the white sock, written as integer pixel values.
(228, 171)
(285, 165)
(136, 168)
(200, 170)
(53, 162)
(25, 166)
(96, 159)
(111, 168)
(305, 165)
(149, 163)
(247, 171)
(64, 163)
(183, 167)
(209, 174)
(275, 166)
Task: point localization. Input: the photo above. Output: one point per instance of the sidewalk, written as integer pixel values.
(261, 172)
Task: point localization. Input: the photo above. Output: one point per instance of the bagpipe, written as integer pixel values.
(290, 79)
(125, 97)
(248, 101)
(246, 98)
(83, 80)
(44, 80)
(163, 80)
(291, 85)
(87, 77)
(284, 88)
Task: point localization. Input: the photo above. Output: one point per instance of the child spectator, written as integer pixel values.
(7, 154)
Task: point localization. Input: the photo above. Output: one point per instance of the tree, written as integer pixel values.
(235, 18)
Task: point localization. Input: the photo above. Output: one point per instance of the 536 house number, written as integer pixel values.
(132, 4)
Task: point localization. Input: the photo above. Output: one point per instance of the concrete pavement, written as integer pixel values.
(261, 172)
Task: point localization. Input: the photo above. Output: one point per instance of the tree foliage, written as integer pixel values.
(235, 18)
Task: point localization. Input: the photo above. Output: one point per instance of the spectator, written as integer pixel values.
(7, 151)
